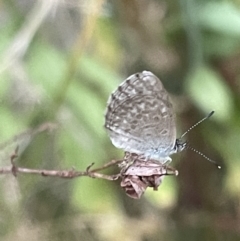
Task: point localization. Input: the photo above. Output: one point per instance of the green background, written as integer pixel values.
(59, 62)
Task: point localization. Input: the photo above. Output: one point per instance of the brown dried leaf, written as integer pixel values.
(141, 174)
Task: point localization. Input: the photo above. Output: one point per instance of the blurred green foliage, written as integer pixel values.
(61, 60)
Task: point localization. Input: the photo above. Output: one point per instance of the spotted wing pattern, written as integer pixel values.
(139, 117)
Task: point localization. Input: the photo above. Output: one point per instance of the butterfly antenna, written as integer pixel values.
(204, 156)
(194, 150)
(199, 122)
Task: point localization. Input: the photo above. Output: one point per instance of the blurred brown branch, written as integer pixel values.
(61, 173)
(137, 175)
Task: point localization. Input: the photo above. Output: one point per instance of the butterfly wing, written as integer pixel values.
(139, 116)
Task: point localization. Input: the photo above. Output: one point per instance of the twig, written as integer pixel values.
(61, 173)
(13, 169)
(136, 175)
(105, 166)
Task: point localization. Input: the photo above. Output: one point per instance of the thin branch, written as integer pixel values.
(13, 169)
(105, 166)
(136, 175)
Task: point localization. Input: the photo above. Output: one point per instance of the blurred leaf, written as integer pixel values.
(96, 71)
(209, 92)
(87, 106)
(94, 195)
(222, 17)
(46, 67)
(220, 44)
(10, 124)
(166, 195)
(107, 49)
